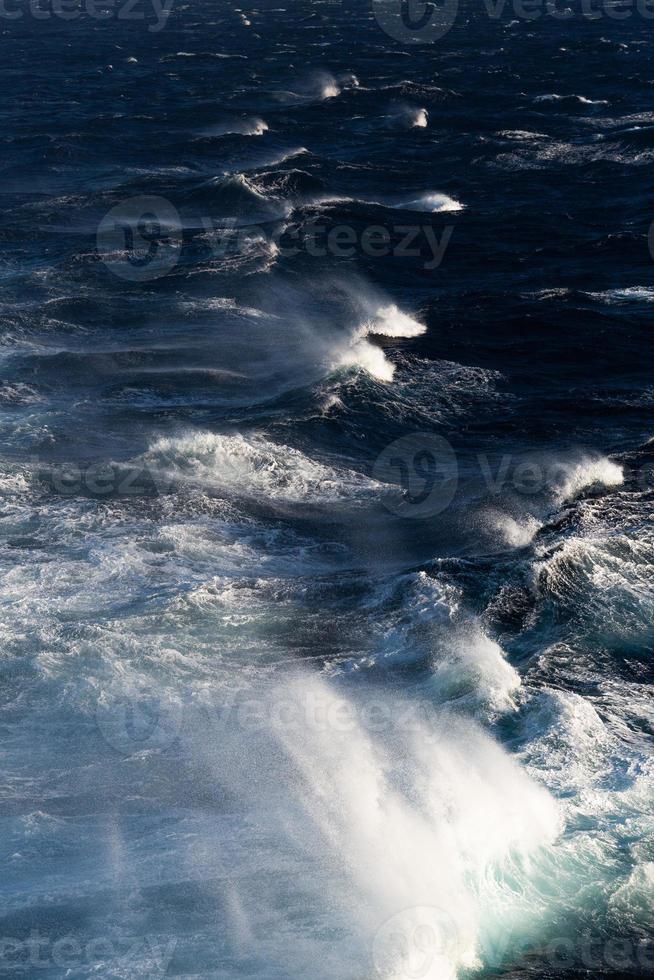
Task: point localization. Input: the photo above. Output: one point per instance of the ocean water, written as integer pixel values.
(327, 478)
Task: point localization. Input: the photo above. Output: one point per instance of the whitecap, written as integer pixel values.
(636, 294)
(581, 99)
(242, 127)
(431, 201)
(517, 532)
(584, 474)
(384, 320)
(253, 465)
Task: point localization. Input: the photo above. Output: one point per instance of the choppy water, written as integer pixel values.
(327, 496)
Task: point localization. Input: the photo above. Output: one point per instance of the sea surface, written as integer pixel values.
(327, 492)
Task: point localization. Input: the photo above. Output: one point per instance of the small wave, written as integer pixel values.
(408, 116)
(238, 127)
(240, 197)
(521, 135)
(616, 122)
(539, 156)
(390, 321)
(634, 900)
(240, 184)
(18, 393)
(431, 201)
(254, 466)
(635, 294)
(296, 184)
(577, 99)
(329, 91)
(245, 254)
(320, 86)
(13, 485)
(385, 321)
(418, 90)
(553, 292)
(420, 119)
(371, 359)
(472, 667)
(223, 303)
(262, 162)
(588, 473)
(603, 577)
(516, 532)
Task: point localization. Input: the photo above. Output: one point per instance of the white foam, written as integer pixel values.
(521, 135)
(387, 321)
(409, 116)
(319, 85)
(253, 465)
(243, 127)
(390, 321)
(369, 358)
(238, 181)
(13, 485)
(587, 473)
(433, 202)
(516, 532)
(554, 97)
(472, 668)
(636, 294)
(634, 900)
(420, 815)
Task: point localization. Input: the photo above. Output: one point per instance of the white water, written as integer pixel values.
(404, 821)
(252, 465)
(587, 473)
(432, 202)
(244, 127)
(386, 321)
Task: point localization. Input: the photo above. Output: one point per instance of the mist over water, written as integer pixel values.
(326, 551)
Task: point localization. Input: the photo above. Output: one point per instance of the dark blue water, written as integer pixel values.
(327, 494)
